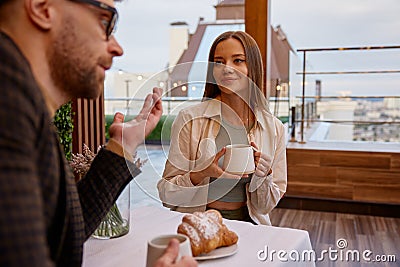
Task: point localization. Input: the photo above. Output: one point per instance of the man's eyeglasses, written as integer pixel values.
(108, 23)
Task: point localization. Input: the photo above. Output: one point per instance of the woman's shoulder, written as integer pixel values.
(269, 117)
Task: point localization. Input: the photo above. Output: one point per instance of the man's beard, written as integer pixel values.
(72, 68)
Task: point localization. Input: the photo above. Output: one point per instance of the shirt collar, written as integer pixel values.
(213, 110)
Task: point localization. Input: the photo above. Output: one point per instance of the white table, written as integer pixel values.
(147, 222)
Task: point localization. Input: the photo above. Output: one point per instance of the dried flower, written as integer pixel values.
(80, 163)
(113, 224)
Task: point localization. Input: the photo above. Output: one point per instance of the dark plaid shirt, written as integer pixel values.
(45, 217)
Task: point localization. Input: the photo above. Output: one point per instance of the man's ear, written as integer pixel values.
(39, 12)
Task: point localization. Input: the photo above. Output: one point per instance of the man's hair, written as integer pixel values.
(2, 2)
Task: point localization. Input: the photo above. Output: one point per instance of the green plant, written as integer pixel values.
(64, 124)
(284, 119)
(163, 127)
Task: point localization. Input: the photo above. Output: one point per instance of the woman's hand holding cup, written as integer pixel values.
(262, 162)
(212, 169)
(239, 159)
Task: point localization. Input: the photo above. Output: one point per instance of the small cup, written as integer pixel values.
(239, 159)
(157, 246)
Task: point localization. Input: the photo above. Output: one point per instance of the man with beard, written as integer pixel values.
(52, 51)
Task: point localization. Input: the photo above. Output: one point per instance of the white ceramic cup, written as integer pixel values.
(157, 246)
(239, 159)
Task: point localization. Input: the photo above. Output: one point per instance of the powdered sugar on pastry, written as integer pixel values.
(207, 226)
(206, 231)
(187, 228)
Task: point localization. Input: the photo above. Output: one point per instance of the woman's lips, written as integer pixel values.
(228, 80)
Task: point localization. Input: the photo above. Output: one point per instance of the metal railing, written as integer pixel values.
(132, 106)
(309, 110)
(308, 114)
(170, 104)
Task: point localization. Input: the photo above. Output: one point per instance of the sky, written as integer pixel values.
(143, 31)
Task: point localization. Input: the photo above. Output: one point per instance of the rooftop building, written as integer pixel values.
(184, 78)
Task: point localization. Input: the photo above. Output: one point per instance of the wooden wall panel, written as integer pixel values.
(382, 193)
(257, 24)
(89, 123)
(315, 190)
(344, 175)
(355, 159)
(304, 157)
(367, 177)
(395, 162)
(309, 174)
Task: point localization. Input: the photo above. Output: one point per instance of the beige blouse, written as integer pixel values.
(193, 148)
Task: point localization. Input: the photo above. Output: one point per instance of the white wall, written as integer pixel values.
(338, 110)
(178, 42)
(130, 86)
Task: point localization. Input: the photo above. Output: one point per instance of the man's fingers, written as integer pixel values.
(171, 252)
(145, 108)
(156, 96)
(188, 261)
(156, 99)
(152, 104)
(147, 103)
(157, 91)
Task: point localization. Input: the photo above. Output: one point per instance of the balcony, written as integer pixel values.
(344, 151)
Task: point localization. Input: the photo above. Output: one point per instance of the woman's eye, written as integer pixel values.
(218, 62)
(239, 60)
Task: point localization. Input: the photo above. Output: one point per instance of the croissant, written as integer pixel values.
(206, 231)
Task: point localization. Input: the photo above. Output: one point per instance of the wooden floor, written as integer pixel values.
(381, 235)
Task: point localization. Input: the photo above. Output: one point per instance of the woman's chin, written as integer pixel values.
(232, 91)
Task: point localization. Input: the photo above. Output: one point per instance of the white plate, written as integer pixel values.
(218, 253)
